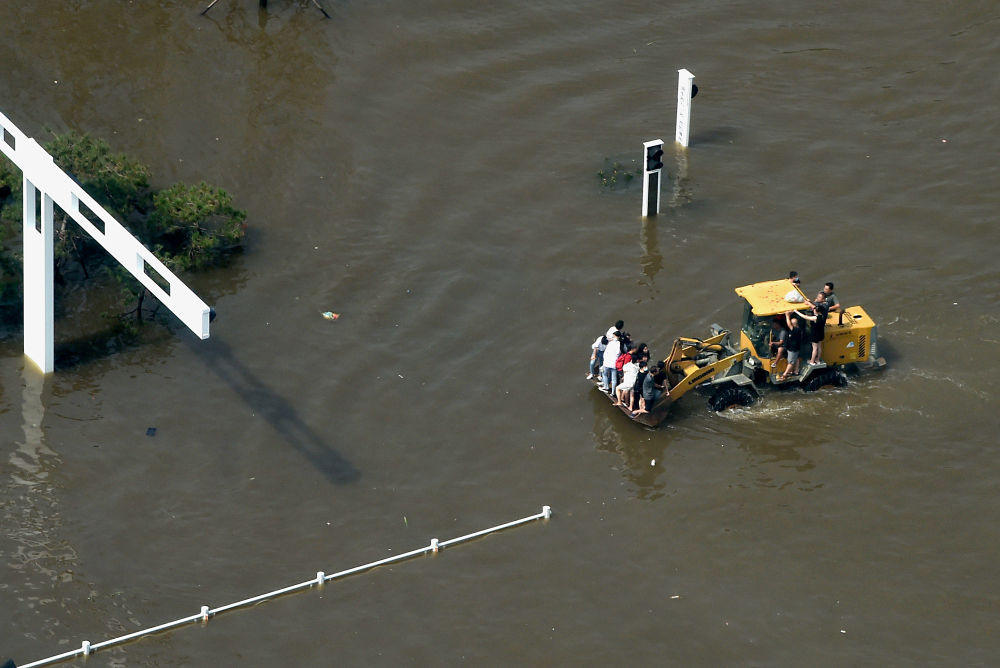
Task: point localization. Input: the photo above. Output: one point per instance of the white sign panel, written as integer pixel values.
(684, 81)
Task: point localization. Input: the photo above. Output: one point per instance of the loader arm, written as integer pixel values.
(695, 375)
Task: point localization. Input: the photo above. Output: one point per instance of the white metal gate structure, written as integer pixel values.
(45, 186)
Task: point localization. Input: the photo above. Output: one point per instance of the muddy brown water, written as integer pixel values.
(428, 170)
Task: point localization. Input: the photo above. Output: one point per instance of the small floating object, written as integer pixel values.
(330, 315)
(151, 431)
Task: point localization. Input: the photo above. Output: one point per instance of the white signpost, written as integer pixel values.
(46, 185)
(684, 81)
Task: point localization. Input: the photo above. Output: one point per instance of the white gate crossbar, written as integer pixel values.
(55, 186)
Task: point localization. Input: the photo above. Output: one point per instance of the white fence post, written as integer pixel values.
(684, 83)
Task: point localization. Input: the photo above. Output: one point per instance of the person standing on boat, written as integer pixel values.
(597, 357)
(617, 327)
(623, 393)
(652, 389)
(639, 379)
(611, 353)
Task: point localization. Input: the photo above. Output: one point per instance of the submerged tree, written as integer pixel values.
(195, 226)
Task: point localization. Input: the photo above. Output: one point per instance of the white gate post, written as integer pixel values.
(39, 313)
(46, 185)
(684, 81)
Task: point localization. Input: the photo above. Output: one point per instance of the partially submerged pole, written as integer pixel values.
(685, 91)
(652, 156)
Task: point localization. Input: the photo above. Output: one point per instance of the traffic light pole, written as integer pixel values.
(652, 157)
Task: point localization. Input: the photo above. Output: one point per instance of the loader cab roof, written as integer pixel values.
(768, 298)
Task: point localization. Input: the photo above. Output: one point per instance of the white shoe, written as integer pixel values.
(589, 376)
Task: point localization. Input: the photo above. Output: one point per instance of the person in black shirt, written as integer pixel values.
(818, 327)
(653, 387)
(828, 296)
(793, 343)
(637, 388)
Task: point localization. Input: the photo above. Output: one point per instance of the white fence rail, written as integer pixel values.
(207, 612)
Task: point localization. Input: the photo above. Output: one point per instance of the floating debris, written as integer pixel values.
(330, 315)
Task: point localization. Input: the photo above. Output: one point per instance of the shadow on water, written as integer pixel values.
(276, 410)
(217, 356)
(651, 260)
(83, 350)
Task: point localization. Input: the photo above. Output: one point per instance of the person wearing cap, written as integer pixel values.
(794, 295)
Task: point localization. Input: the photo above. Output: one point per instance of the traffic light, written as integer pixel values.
(654, 155)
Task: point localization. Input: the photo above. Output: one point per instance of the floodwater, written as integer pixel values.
(429, 171)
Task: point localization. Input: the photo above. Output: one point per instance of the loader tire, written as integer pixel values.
(731, 396)
(826, 377)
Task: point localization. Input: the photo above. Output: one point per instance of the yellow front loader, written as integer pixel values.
(692, 362)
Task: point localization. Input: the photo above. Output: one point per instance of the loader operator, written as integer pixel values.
(779, 337)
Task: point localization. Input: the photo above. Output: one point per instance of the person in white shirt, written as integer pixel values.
(611, 353)
(630, 371)
(597, 356)
(617, 327)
